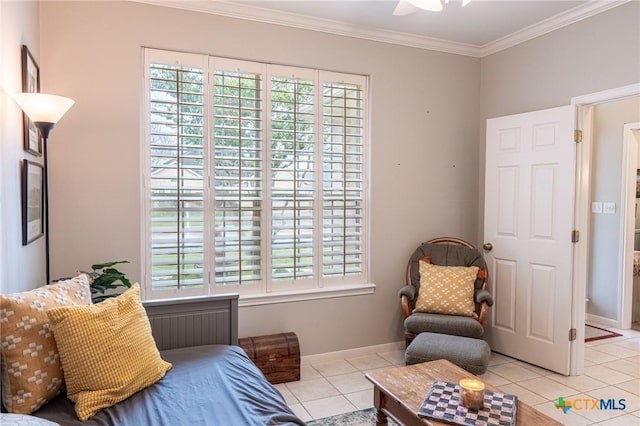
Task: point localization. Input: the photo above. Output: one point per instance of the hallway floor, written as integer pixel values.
(612, 370)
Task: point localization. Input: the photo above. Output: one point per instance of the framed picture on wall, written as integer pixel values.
(637, 183)
(32, 202)
(30, 84)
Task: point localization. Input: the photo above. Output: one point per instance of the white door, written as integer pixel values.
(529, 187)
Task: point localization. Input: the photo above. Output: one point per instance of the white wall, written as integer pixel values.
(424, 148)
(598, 53)
(606, 179)
(21, 268)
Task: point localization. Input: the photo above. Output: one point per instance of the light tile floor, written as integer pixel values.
(612, 370)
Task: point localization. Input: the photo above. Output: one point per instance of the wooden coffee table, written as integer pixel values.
(398, 393)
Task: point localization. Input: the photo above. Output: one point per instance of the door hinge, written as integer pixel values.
(575, 236)
(577, 136)
(572, 334)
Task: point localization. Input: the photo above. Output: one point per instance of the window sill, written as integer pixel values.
(312, 294)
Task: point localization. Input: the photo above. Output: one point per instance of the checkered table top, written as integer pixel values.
(443, 403)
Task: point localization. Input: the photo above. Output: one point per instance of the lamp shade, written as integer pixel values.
(44, 108)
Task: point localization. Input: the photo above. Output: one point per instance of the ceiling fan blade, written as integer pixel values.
(404, 8)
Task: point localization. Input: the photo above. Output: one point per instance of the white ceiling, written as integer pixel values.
(480, 28)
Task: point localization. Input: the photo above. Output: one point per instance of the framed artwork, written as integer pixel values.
(30, 84)
(638, 183)
(32, 202)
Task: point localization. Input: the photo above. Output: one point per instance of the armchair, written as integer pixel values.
(445, 251)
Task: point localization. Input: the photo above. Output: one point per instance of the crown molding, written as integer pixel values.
(258, 14)
(561, 20)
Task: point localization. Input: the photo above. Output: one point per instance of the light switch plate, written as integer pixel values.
(596, 207)
(608, 208)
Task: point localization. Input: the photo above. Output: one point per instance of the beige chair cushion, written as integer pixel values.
(446, 290)
(107, 351)
(31, 370)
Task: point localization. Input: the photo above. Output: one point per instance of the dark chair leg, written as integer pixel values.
(408, 338)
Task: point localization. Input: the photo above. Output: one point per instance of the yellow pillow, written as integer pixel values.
(107, 351)
(446, 289)
(31, 371)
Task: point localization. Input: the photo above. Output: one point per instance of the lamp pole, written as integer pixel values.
(44, 128)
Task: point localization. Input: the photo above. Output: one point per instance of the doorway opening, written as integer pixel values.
(583, 214)
(629, 302)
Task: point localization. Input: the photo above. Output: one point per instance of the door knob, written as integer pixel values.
(487, 246)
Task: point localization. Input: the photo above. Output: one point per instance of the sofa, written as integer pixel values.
(205, 379)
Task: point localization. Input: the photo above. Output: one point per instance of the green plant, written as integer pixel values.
(106, 277)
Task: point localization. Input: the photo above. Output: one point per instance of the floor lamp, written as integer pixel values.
(44, 111)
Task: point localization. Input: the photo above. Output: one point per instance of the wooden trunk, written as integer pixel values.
(276, 355)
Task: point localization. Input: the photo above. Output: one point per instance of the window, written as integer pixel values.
(255, 177)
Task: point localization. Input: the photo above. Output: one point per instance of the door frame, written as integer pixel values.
(627, 223)
(584, 121)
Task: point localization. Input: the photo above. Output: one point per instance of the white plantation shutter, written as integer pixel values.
(343, 197)
(255, 177)
(238, 165)
(293, 175)
(176, 173)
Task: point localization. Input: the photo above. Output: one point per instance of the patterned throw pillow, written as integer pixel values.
(31, 371)
(107, 351)
(446, 289)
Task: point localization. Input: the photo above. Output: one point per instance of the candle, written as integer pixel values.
(472, 394)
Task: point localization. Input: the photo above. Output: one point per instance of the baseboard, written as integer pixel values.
(602, 320)
(351, 353)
